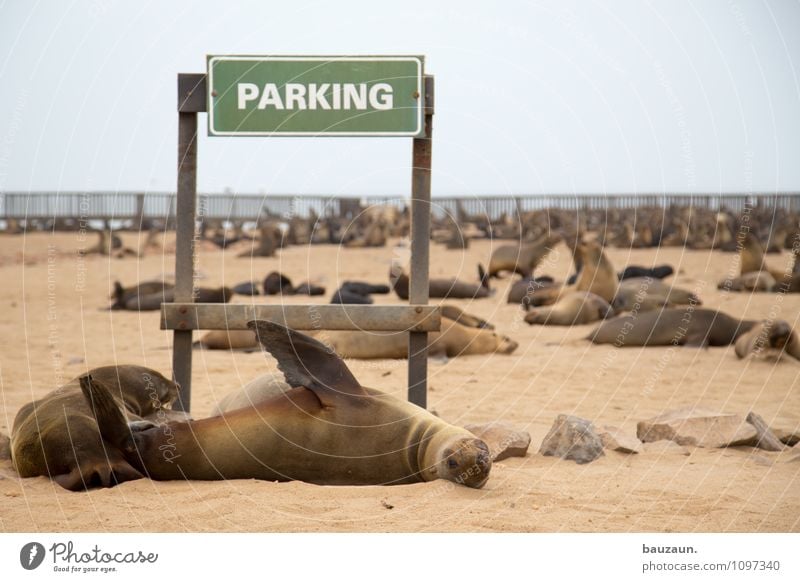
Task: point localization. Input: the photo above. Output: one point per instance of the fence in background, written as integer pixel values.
(135, 206)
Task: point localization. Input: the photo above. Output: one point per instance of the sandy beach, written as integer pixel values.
(55, 325)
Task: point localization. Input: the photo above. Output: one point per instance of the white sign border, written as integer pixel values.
(211, 59)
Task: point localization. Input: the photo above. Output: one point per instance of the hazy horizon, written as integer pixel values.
(536, 97)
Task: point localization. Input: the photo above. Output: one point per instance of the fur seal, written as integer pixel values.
(122, 295)
(57, 435)
(751, 281)
(575, 308)
(769, 337)
(520, 290)
(365, 288)
(682, 326)
(328, 429)
(250, 288)
(442, 288)
(657, 272)
(635, 271)
(464, 335)
(648, 291)
(278, 284)
(153, 301)
(454, 339)
(346, 297)
(523, 258)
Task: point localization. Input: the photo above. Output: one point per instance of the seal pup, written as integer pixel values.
(769, 338)
(279, 284)
(522, 258)
(250, 288)
(682, 326)
(57, 435)
(121, 295)
(442, 288)
(347, 297)
(328, 430)
(153, 301)
(575, 308)
(365, 288)
(657, 272)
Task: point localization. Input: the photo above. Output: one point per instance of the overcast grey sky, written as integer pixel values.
(547, 96)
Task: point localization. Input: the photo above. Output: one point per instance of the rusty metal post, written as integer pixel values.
(420, 243)
(191, 99)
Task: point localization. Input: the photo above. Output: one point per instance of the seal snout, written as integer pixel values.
(780, 334)
(468, 463)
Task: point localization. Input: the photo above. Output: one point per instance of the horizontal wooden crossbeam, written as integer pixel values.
(189, 316)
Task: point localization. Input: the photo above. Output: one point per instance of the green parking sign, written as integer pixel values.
(315, 96)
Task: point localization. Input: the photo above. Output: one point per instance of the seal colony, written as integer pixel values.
(327, 429)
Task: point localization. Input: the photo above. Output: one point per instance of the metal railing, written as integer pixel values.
(135, 206)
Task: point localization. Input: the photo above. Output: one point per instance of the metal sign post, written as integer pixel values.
(367, 96)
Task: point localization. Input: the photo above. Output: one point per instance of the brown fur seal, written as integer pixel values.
(769, 338)
(328, 430)
(575, 308)
(683, 326)
(520, 291)
(464, 336)
(648, 291)
(523, 258)
(752, 281)
(122, 295)
(153, 301)
(442, 288)
(454, 339)
(57, 435)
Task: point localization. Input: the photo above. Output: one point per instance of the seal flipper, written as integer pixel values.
(110, 420)
(307, 362)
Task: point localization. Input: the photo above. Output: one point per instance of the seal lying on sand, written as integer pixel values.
(683, 326)
(328, 430)
(347, 297)
(632, 271)
(657, 272)
(650, 293)
(57, 435)
(519, 290)
(357, 292)
(152, 301)
(279, 284)
(454, 339)
(575, 308)
(766, 338)
(442, 288)
(522, 259)
(122, 295)
(461, 334)
(249, 288)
